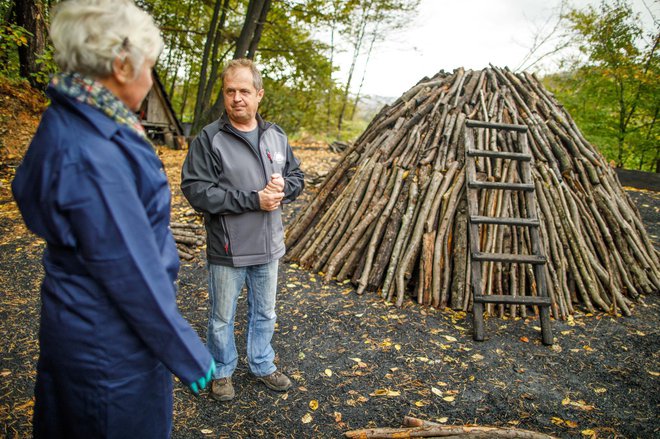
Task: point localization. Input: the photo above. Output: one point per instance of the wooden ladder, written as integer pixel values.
(537, 258)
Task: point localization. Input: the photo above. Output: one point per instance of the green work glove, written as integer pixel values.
(203, 381)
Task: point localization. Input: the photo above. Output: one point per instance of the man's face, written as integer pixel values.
(240, 97)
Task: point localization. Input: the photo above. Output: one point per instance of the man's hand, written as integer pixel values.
(270, 200)
(271, 196)
(276, 184)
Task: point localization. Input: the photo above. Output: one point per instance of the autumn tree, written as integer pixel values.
(614, 89)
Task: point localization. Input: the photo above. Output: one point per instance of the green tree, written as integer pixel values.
(614, 91)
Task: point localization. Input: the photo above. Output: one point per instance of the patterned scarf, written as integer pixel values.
(91, 92)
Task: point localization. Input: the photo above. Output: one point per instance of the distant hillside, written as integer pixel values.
(369, 106)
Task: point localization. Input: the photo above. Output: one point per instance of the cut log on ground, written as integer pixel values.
(414, 427)
(391, 215)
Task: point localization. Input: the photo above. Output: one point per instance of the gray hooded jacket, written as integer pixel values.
(221, 176)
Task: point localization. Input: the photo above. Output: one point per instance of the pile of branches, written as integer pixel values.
(391, 216)
(187, 238)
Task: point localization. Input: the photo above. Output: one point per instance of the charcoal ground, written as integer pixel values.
(358, 362)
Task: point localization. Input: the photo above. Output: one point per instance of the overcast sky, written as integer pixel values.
(447, 34)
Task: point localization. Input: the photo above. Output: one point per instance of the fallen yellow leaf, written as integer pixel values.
(313, 404)
(307, 418)
(206, 431)
(328, 372)
(385, 392)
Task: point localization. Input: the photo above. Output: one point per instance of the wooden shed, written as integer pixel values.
(158, 117)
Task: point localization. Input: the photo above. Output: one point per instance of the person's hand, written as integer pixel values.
(270, 200)
(275, 185)
(203, 381)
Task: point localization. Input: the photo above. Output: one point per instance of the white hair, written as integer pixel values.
(89, 34)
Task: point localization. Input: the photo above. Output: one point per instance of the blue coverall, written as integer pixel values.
(111, 333)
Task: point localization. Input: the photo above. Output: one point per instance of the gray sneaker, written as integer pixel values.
(276, 381)
(222, 389)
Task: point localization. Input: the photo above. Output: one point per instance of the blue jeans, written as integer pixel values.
(225, 285)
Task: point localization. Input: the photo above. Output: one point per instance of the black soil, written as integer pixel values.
(358, 362)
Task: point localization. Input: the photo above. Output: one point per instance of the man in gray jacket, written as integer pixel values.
(238, 172)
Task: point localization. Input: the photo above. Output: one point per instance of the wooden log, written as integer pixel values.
(440, 252)
(184, 232)
(188, 240)
(447, 431)
(304, 221)
(401, 239)
(193, 226)
(395, 183)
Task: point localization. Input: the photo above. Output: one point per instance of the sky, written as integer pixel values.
(447, 34)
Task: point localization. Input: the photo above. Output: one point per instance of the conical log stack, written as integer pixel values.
(391, 216)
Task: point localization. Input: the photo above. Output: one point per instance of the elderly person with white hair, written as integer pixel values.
(92, 186)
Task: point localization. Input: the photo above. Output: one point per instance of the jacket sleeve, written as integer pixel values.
(199, 177)
(294, 178)
(117, 244)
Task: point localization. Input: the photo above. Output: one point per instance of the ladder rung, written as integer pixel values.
(499, 154)
(498, 126)
(508, 257)
(527, 222)
(528, 187)
(515, 300)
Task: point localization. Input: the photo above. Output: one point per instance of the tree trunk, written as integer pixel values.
(216, 61)
(29, 15)
(364, 72)
(356, 52)
(201, 87)
(247, 41)
(250, 26)
(259, 30)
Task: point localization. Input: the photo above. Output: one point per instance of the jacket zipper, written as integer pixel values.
(269, 230)
(226, 233)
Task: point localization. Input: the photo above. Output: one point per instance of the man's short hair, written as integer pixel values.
(246, 64)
